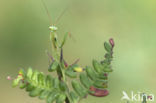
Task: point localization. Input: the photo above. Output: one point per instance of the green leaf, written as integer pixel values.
(23, 85)
(108, 47)
(108, 70)
(29, 73)
(29, 87)
(35, 92)
(79, 89)
(105, 62)
(85, 81)
(100, 83)
(71, 73)
(53, 66)
(49, 81)
(56, 83)
(61, 98)
(16, 81)
(97, 66)
(74, 97)
(91, 73)
(108, 56)
(63, 86)
(52, 96)
(44, 94)
(34, 77)
(103, 76)
(41, 79)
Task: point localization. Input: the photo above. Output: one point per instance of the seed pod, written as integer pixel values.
(35, 92)
(61, 98)
(85, 81)
(97, 66)
(53, 66)
(108, 47)
(111, 41)
(98, 92)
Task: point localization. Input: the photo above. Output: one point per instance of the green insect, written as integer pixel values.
(53, 29)
(58, 62)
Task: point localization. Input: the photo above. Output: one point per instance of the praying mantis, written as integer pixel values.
(53, 33)
(58, 47)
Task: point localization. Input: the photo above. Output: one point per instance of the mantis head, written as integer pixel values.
(53, 28)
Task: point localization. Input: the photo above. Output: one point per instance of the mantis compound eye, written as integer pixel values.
(53, 28)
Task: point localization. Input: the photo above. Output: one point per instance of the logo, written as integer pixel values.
(139, 96)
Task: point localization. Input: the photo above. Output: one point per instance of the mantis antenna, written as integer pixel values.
(50, 20)
(49, 16)
(52, 26)
(58, 19)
